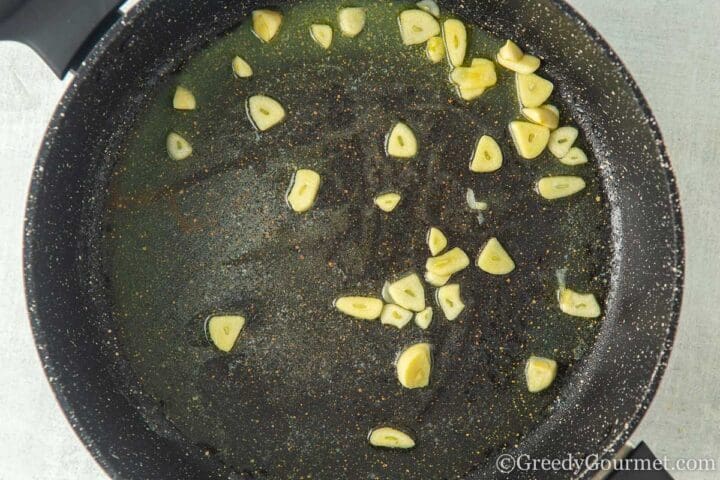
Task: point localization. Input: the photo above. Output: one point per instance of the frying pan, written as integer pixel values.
(118, 58)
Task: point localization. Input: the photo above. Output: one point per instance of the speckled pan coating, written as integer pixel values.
(598, 408)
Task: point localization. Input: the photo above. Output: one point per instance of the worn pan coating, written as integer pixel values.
(599, 405)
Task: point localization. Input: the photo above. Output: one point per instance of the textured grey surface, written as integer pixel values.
(669, 47)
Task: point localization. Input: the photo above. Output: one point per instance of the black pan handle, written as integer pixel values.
(62, 32)
(642, 455)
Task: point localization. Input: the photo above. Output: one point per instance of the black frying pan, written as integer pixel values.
(600, 400)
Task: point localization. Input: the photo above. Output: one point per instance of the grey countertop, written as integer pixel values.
(672, 47)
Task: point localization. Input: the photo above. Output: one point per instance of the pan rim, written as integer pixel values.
(96, 58)
(653, 385)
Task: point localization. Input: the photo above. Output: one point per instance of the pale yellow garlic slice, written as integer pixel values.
(401, 142)
(562, 140)
(583, 305)
(448, 263)
(436, 280)
(487, 157)
(552, 188)
(241, 68)
(450, 301)
(429, 6)
(387, 202)
(533, 90)
(473, 80)
(424, 319)
(387, 437)
(184, 99)
(266, 24)
(527, 64)
(351, 21)
(303, 190)
(511, 52)
(417, 26)
(436, 241)
(385, 294)
(455, 36)
(530, 139)
(545, 115)
(265, 112)
(408, 292)
(395, 316)
(470, 93)
(435, 49)
(494, 259)
(480, 74)
(364, 308)
(540, 373)
(322, 34)
(575, 156)
(414, 365)
(224, 330)
(177, 147)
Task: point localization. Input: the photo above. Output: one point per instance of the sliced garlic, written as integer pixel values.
(351, 21)
(511, 52)
(364, 308)
(487, 157)
(417, 26)
(387, 437)
(582, 305)
(562, 140)
(486, 70)
(527, 64)
(178, 148)
(224, 330)
(387, 201)
(533, 90)
(530, 139)
(322, 34)
(184, 99)
(470, 93)
(424, 318)
(448, 297)
(265, 112)
(266, 24)
(429, 6)
(480, 73)
(546, 115)
(385, 294)
(540, 373)
(494, 259)
(552, 188)
(241, 68)
(414, 365)
(455, 36)
(436, 280)
(435, 49)
(395, 315)
(303, 190)
(408, 292)
(472, 81)
(575, 156)
(401, 142)
(448, 263)
(553, 109)
(436, 241)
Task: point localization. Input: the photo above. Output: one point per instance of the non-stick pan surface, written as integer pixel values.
(70, 285)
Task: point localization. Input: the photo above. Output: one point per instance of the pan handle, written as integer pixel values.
(62, 32)
(642, 456)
